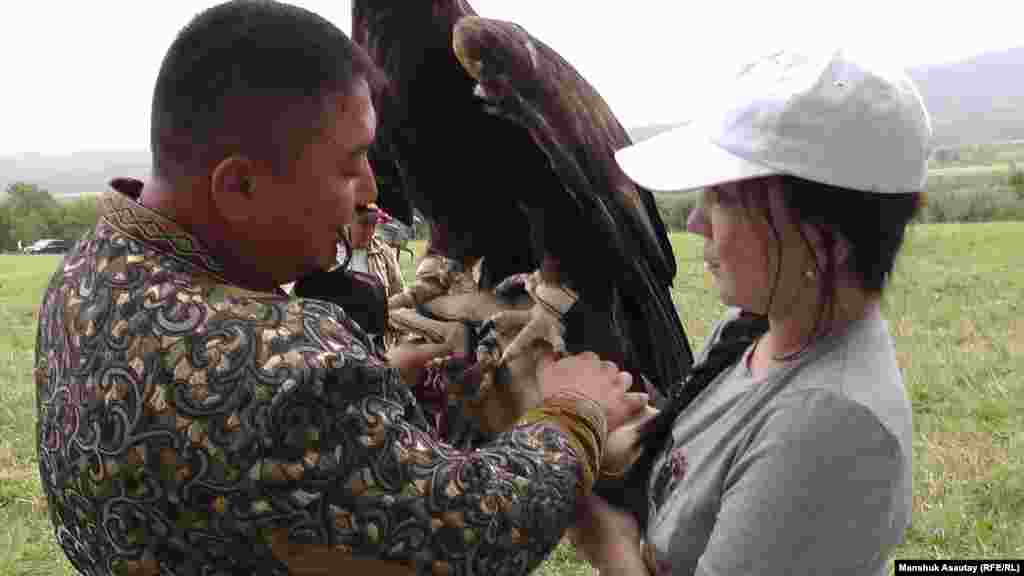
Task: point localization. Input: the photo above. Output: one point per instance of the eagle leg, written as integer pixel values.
(545, 320)
(454, 333)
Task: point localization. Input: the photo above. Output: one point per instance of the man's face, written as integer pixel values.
(310, 201)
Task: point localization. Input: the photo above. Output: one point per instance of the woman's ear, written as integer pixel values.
(233, 188)
(816, 243)
(840, 249)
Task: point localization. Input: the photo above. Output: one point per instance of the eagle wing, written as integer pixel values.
(503, 145)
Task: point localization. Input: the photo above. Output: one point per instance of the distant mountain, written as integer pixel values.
(79, 173)
(975, 101)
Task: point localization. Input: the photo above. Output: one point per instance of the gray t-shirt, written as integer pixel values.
(805, 470)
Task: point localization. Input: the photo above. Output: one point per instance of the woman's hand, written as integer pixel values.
(608, 538)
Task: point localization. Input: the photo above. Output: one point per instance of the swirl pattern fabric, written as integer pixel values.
(185, 423)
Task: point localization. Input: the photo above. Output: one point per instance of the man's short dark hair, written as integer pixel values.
(249, 77)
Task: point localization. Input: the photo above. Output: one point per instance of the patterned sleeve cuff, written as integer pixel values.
(583, 420)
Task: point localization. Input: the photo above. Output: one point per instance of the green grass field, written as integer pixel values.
(996, 169)
(955, 308)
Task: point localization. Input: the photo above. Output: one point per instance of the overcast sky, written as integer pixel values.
(79, 75)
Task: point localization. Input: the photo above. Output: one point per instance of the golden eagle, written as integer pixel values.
(508, 151)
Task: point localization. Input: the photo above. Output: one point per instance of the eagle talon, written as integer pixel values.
(543, 326)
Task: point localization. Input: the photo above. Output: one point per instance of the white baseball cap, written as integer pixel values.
(824, 116)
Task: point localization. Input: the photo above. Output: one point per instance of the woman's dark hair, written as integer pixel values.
(873, 226)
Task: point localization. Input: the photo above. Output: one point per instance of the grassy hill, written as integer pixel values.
(73, 174)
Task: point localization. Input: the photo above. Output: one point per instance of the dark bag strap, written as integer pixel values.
(360, 295)
(630, 492)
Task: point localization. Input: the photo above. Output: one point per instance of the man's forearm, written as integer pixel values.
(401, 494)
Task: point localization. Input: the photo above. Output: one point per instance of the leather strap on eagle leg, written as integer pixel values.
(476, 380)
(408, 320)
(546, 318)
(556, 298)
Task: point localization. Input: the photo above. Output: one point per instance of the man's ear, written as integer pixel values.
(233, 188)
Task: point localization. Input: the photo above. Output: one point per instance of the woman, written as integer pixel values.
(788, 450)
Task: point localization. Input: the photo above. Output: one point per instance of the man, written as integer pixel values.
(193, 419)
(372, 256)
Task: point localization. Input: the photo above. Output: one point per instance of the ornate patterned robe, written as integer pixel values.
(185, 425)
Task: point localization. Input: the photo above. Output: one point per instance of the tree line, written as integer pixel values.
(29, 213)
(986, 196)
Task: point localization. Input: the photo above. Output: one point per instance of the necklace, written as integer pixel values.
(793, 355)
(788, 357)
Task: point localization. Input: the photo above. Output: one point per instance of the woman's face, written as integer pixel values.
(742, 252)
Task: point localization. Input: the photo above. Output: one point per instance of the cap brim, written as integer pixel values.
(684, 158)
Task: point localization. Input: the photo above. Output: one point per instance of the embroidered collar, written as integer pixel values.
(122, 210)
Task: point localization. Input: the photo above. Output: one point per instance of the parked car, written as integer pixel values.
(48, 246)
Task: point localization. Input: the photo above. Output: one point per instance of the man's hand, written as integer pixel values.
(623, 447)
(586, 375)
